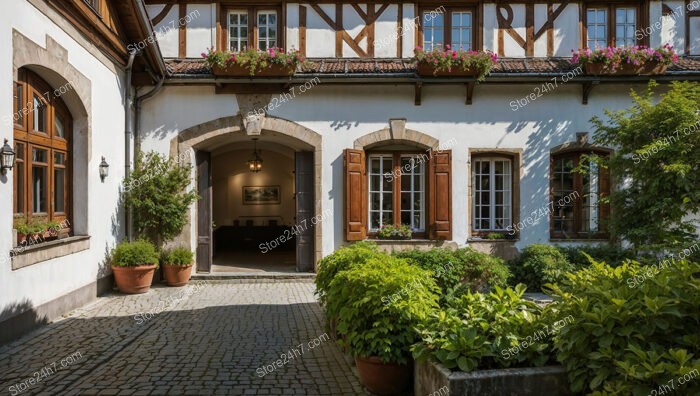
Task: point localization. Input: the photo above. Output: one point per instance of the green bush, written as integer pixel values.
(487, 331)
(178, 256)
(380, 303)
(636, 328)
(463, 269)
(538, 265)
(159, 194)
(344, 258)
(131, 254)
(601, 253)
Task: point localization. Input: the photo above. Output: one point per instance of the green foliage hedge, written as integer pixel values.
(601, 253)
(379, 304)
(538, 265)
(342, 259)
(635, 328)
(461, 269)
(132, 254)
(178, 256)
(487, 331)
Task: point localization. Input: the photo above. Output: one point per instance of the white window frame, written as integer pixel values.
(429, 26)
(374, 190)
(624, 40)
(464, 31)
(592, 25)
(417, 169)
(507, 193)
(238, 46)
(266, 27)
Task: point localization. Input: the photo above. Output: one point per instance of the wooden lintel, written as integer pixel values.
(470, 92)
(252, 88)
(419, 88)
(586, 89)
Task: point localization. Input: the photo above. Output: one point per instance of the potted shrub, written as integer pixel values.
(36, 230)
(380, 302)
(177, 266)
(389, 231)
(625, 61)
(448, 62)
(274, 62)
(23, 230)
(133, 264)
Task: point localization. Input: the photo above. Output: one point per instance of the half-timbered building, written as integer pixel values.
(354, 140)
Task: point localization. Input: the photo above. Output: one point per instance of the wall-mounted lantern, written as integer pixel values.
(104, 169)
(7, 158)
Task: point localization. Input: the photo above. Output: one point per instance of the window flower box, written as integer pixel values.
(446, 62)
(391, 232)
(625, 61)
(252, 63)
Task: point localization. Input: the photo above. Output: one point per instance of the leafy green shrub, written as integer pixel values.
(179, 256)
(157, 192)
(464, 269)
(487, 331)
(379, 304)
(635, 329)
(602, 253)
(540, 264)
(393, 232)
(132, 254)
(344, 258)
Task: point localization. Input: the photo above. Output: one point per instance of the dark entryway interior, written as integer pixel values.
(255, 216)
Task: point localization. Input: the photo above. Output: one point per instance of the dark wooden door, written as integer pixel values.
(204, 211)
(305, 220)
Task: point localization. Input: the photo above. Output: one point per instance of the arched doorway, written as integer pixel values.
(264, 221)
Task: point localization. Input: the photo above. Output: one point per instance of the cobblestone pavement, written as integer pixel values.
(210, 337)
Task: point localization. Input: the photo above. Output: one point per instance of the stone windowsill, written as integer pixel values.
(26, 256)
(477, 240)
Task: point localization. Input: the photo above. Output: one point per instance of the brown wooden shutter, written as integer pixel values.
(604, 209)
(440, 185)
(355, 195)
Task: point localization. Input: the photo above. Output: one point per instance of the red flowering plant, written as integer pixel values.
(615, 57)
(447, 59)
(254, 60)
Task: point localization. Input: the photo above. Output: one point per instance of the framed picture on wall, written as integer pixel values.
(261, 195)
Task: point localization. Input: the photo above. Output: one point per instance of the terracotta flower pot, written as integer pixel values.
(21, 238)
(134, 280)
(237, 70)
(384, 378)
(625, 69)
(177, 275)
(429, 70)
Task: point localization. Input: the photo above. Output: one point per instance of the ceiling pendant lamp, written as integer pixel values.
(255, 162)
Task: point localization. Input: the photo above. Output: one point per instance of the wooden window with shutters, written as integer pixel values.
(43, 149)
(575, 198)
(411, 188)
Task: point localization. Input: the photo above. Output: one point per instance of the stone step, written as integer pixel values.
(255, 275)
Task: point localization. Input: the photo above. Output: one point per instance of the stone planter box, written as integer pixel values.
(237, 70)
(428, 70)
(531, 381)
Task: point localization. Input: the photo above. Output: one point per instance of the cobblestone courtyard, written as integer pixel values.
(216, 337)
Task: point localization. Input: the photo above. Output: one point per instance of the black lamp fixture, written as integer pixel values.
(7, 158)
(104, 169)
(255, 162)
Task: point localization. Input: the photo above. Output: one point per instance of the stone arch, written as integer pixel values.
(51, 64)
(397, 134)
(184, 145)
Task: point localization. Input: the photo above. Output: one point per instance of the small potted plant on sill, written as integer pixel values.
(274, 62)
(625, 61)
(133, 264)
(23, 230)
(392, 232)
(177, 266)
(458, 63)
(36, 231)
(380, 303)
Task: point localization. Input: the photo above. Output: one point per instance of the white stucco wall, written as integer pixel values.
(342, 114)
(43, 282)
